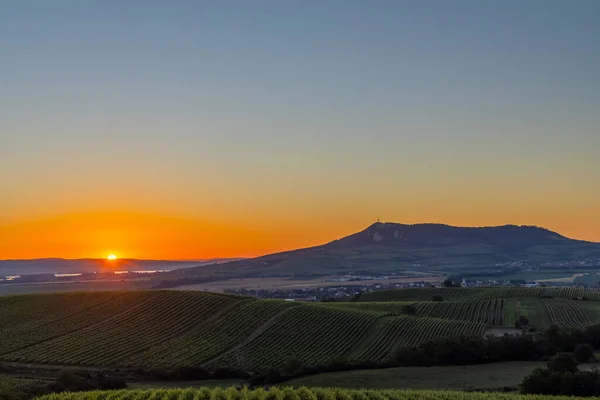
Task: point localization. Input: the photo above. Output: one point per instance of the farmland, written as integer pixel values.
(167, 329)
(456, 377)
(292, 393)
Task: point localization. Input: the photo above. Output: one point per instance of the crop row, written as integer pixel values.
(42, 317)
(310, 333)
(207, 342)
(457, 294)
(161, 316)
(33, 310)
(489, 311)
(566, 313)
(401, 332)
(294, 394)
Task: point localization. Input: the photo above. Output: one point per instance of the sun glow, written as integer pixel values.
(111, 257)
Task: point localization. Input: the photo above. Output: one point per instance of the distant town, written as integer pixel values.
(330, 293)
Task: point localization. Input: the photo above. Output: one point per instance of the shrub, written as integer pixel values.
(437, 298)
(583, 352)
(522, 322)
(305, 393)
(218, 394)
(290, 394)
(578, 383)
(193, 373)
(292, 366)
(562, 362)
(274, 394)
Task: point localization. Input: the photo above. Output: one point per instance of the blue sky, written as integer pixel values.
(305, 107)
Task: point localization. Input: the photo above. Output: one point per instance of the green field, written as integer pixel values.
(165, 329)
(468, 377)
(9, 384)
(12, 386)
(292, 394)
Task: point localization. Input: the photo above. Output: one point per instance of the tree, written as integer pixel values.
(437, 298)
(583, 352)
(522, 322)
(563, 362)
(292, 366)
(448, 283)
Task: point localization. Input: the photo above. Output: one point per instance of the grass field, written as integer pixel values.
(292, 393)
(487, 376)
(165, 328)
(10, 386)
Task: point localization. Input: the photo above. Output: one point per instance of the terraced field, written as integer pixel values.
(178, 328)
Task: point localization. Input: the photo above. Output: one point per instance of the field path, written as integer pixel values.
(250, 338)
(368, 337)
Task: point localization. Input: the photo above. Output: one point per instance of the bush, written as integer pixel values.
(68, 381)
(437, 298)
(193, 373)
(522, 322)
(583, 352)
(306, 394)
(448, 283)
(292, 366)
(547, 382)
(562, 362)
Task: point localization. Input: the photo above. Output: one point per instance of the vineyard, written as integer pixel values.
(293, 394)
(10, 385)
(165, 329)
(400, 332)
(310, 333)
(462, 294)
(488, 311)
(567, 313)
(163, 316)
(215, 338)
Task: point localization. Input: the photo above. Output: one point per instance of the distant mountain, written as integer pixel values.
(391, 247)
(393, 234)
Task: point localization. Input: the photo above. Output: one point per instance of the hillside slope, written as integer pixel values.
(180, 328)
(386, 247)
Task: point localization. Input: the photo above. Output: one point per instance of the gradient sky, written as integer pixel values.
(192, 129)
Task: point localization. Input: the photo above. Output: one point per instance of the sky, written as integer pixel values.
(197, 129)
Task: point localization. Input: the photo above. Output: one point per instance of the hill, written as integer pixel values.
(401, 235)
(390, 247)
(167, 329)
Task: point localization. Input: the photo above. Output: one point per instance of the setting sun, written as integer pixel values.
(112, 257)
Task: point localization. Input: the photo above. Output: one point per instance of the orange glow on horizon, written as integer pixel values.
(163, 237)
